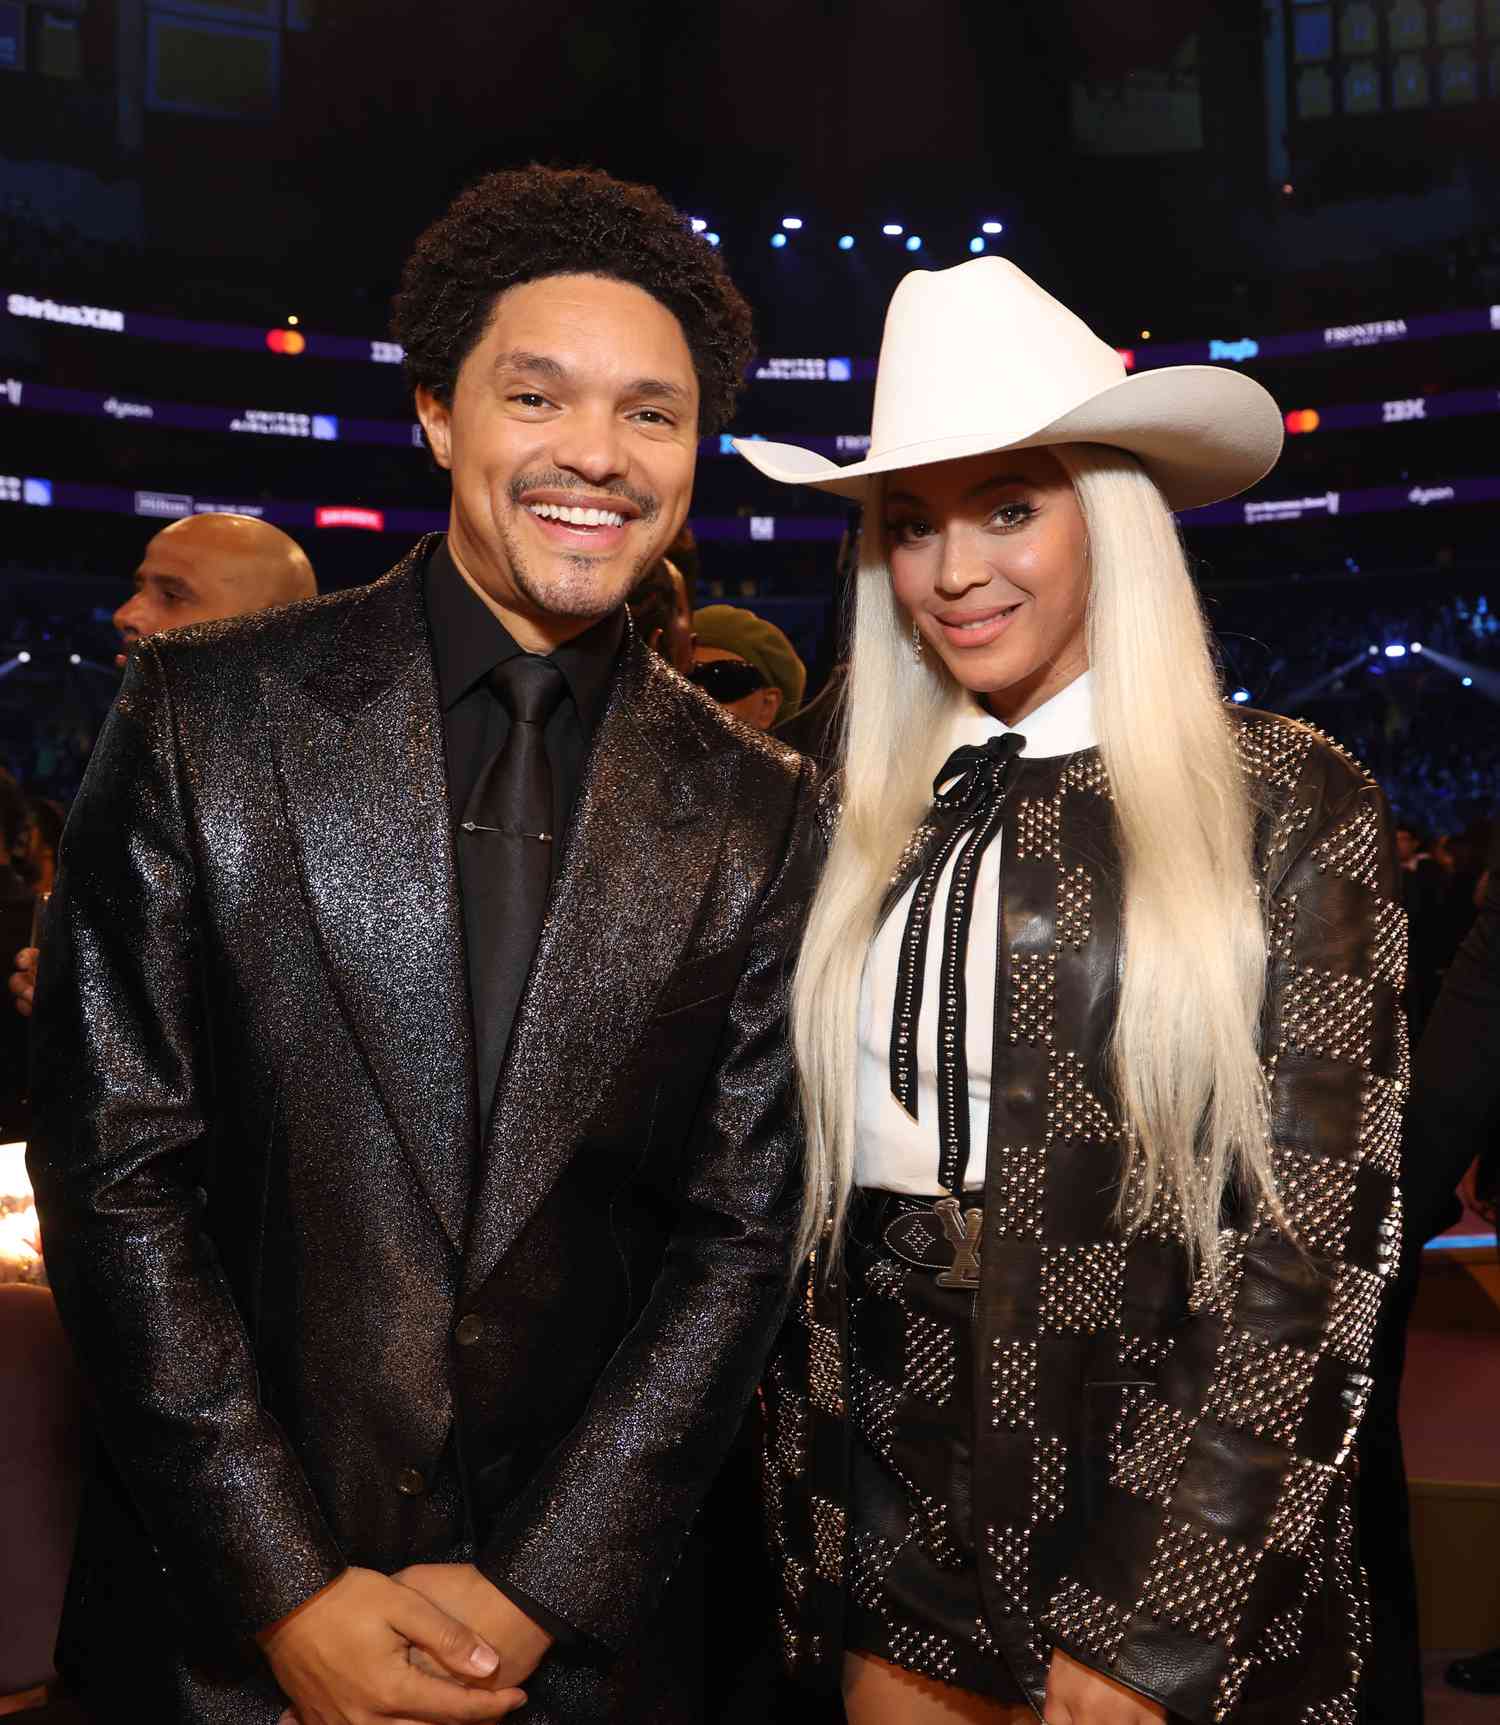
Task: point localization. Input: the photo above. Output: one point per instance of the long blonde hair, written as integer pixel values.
(1184, 1052)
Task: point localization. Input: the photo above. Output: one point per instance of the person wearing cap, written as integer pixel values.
(1098, 1027)
(747, 665)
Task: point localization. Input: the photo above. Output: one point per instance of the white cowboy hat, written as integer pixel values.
(978, 358)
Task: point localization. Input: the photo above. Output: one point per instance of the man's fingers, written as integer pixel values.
(451, 1644)
(439, 1701)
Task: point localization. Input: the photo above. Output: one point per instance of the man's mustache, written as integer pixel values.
(554, 479)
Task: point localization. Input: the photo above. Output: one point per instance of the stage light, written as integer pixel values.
(1287, 189)
(75, 658)
(1145, 335)
(712, 238)
(1395, 651)
(991, 228)
(913, 242)
(1240, 696)
(699, 225)
(1416, 646)
(778, 240)
(893, 228)
(846, 242)
(23, 657)
(976, 244)
(1468, 682)
(1373, 651)
(792, 222)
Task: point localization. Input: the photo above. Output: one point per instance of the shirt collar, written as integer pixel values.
(469, 640)
(1062, 725)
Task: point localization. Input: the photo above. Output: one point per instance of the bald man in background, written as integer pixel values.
(198, 570)
(209, 566)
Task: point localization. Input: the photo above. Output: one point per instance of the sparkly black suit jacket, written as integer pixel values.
(319, 1328)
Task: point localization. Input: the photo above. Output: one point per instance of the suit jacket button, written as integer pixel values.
(468, 1330)
(410, 1483)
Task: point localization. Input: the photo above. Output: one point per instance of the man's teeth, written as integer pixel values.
(577, 517)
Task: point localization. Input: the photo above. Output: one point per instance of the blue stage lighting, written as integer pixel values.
(1468, 682)
(893, 228)
(792, 222)
(712, 238)
(913, 242)
(976, 244)
(1240, 696)
(846, 242)
(992, 227)
(1416, 646)
(1395, 651)
(778, 240)
(1373, 651)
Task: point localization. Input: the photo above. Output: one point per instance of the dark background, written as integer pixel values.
(1201, 171)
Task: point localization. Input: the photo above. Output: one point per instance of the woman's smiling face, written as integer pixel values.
(989, 556)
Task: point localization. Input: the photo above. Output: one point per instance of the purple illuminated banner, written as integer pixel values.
(726, 529)
(25, 396)
(291, 341)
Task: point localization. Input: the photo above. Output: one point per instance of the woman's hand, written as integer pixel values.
(1079, 1695)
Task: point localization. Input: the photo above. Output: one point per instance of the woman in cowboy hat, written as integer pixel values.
(1098, 1028)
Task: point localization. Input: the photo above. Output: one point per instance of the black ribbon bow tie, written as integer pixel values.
(975, 771)
(974, 784)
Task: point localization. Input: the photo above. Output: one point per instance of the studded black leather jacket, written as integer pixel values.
(1162, 1468)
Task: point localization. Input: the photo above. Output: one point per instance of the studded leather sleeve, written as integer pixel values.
(1225, 1516)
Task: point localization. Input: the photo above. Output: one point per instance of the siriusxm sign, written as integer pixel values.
(81, 316)
(1234, 351)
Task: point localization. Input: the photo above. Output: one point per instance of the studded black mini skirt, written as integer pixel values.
(913, 1589)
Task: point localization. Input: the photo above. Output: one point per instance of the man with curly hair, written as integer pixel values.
(414, 1102)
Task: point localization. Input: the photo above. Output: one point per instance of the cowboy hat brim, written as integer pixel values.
(1202, 432)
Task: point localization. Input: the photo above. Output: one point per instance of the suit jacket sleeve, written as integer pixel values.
(1232, 1482)
(596, 1535)
(123, 1103)
(1455, 1085)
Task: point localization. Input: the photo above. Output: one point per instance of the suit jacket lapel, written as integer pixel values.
(358, 745)
(642, 850)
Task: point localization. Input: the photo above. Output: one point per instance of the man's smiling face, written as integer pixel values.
(571, 439)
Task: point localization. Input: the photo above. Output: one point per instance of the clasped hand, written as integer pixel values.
(436, 1643)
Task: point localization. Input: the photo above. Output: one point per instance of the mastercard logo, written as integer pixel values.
(1304, 419)
(286, 341)
(1127, 356)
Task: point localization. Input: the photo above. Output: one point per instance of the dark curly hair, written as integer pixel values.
(526, 223)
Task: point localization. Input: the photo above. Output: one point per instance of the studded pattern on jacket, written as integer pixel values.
(1162, 1477)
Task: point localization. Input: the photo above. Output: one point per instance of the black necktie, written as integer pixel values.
(970, 792)
(506, 859)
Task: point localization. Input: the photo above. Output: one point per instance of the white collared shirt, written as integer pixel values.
(893, 1151)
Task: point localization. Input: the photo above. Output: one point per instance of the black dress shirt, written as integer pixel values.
(468, 642)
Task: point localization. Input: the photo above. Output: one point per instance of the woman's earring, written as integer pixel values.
(916, 641)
